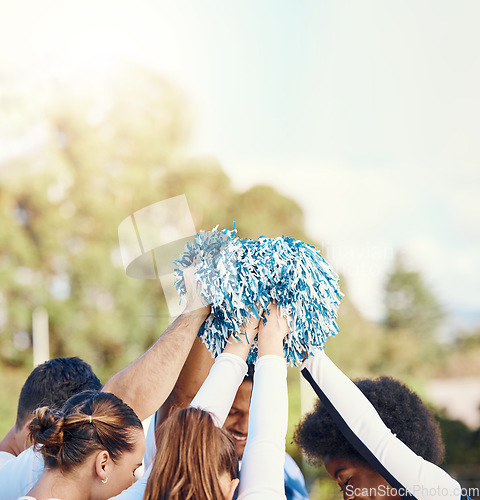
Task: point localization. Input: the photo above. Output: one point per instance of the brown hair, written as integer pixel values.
(192, 452)
(88, 422)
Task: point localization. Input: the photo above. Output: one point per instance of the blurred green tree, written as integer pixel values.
(88, 154)
(413, 314)
(410, 303)
(462, 443)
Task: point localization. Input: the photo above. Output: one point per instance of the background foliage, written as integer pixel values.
(85, 157)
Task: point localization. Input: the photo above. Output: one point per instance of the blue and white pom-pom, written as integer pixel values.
(241, 277)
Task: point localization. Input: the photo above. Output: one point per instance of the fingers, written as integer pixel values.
(193, 288)
(250, 328)
(272, 333)
(277, 323)
(191, 281)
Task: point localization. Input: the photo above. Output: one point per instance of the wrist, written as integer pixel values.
(270, 346)
(237, 347)
(197, 310)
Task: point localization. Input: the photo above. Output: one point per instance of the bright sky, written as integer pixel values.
(367, 113)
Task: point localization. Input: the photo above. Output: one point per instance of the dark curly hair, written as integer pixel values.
(402, 411)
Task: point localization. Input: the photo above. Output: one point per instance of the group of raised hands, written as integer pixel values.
(270, 329)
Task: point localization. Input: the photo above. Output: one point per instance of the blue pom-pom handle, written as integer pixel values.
(241, 277)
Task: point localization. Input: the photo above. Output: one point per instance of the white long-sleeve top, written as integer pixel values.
(264, 455)
(363, 427)
(220, 387)
(19, 474)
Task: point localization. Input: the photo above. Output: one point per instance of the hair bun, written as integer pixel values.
(46, 429)
(89, 421)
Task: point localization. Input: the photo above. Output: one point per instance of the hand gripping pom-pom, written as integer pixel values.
(241, 277)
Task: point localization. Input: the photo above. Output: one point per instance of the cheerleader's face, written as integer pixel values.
(359, 481)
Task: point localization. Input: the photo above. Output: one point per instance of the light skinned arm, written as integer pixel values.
(191, 378)
(146, 383)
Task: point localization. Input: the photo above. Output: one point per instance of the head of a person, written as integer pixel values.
(236, 423)
(402, 411)
(195, 459)
(51, 384)
(94, 432)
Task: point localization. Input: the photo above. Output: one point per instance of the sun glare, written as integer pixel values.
(96, 47)
(75, 38)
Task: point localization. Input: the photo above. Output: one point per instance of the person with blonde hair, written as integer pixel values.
(91, 448)
(196, 459)
(193, 456)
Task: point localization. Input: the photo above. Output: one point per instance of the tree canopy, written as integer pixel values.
(99, 155)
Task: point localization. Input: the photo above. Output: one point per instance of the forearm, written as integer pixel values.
(192, 375)
(219, 389)
(146, 383)
(264, 457)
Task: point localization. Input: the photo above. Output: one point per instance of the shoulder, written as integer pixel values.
(5, 457)
(27, 460)
(19, 474)
(151, 446)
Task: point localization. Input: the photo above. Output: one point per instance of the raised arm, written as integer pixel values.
(146, 383)
(219, 389)
(264, 457)
(193, 374)
(191, 378)
(363, 427)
